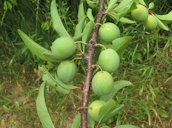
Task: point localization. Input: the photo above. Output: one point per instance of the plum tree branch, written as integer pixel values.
(89, 59)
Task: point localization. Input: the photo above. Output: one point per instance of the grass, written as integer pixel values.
(146, 62)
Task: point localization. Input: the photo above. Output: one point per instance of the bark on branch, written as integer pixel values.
(89, 59)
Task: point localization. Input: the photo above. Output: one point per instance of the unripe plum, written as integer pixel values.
(66, 71)
(94, 109)
(102, 83)
(109, 60)
(63, 48)
(140, 13)
(151, 23)
(108, 32)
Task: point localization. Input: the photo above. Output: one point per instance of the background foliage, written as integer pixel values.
(147, 62)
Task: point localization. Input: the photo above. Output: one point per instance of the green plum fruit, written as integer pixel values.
(108, 32)
(63, 48)
(140, 13)
(151, 23)
(109, 60)
(102, 83)
(66, 71)
(94, 109)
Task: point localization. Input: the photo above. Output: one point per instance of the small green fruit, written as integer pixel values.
(108, 32)
(140, 13)
(66, 71)
(102, 83)
(63, 48)
(151, 23)
(109, 60)
(94, 109)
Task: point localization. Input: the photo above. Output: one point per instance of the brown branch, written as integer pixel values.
(89, 59)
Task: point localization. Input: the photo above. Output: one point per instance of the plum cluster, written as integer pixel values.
(63, 48)
(142, 14)
(108, 60)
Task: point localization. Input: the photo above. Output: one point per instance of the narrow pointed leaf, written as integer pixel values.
(87, 31)
(161, 24)
(37, 49)
(90, 14)
(77, 121)
(166, 17)
(124, 7)
(79, 28)
(50, 80)
(114, 112)
(106, 109)
(42, 109)
(56, 21)
(111, 5)
(126, 20)
(66, 86)
(117, 86)
(81, 11)
(120, 43)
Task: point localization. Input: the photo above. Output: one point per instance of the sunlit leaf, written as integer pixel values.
(161, 24)
(166, 17)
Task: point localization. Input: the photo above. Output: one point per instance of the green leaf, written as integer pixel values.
(117, 86)
(61, 90)
(120, 43)
(77, 121)
(166, 17)
(124, 7)
(161, 24)
(126, 20)
(91, 123)
(56, 21)
(81, 11)
(7, 5)
(66, 86)
(42, 109)
(37, 49)
(49, 79)
(114, 112)
(87, 31)
(90, 14)
(126, 126)
(79, 28)
(114, 15)
(106, 109)
(151, 5)
(111, 5)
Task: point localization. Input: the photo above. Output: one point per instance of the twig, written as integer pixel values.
(89, 59)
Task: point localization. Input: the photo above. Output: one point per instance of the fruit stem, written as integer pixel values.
(89, 59)
(100, 45)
